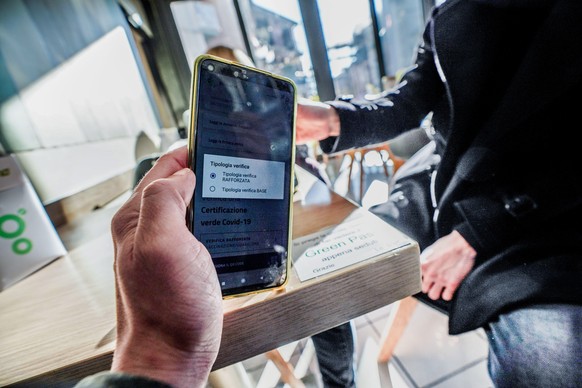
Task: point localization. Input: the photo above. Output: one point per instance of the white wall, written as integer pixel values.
(77, 125)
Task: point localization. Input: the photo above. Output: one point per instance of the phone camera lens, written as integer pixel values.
(210, 67)
(235, 73)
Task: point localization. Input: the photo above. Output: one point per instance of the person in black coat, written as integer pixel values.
(502, 79)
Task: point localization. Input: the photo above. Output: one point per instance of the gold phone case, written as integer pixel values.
(191, 157)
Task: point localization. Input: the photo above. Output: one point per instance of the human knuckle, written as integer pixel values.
(441, 278)
(119, 224)
(453, 283)
(156, 187)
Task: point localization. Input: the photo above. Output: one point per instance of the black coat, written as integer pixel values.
(504, 84)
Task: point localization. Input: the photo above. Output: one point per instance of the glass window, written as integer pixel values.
(401, 23)
(202, 25)
(349, 37)
(277, 39)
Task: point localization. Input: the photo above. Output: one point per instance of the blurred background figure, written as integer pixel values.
(231, 54)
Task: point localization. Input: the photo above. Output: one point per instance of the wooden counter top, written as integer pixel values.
(59, 323)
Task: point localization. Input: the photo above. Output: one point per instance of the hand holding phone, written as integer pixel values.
(242, 144)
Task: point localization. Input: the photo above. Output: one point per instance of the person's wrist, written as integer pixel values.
(152, 357)
(334, 122)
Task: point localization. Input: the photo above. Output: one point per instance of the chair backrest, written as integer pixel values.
(143, 166)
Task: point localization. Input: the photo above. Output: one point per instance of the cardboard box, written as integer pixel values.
(28, 239)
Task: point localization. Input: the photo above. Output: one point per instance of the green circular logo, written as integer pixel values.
(22, 246)
(20, 226)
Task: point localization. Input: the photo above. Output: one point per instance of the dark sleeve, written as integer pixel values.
(523, 203)
(487, 226)
(492, 222)
(118, 380)
(376, 119)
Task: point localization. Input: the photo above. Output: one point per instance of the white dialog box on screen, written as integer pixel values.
(230, 177)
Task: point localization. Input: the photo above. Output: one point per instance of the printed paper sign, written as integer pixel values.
(360, 237)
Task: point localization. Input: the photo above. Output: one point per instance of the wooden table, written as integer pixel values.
(59, 323)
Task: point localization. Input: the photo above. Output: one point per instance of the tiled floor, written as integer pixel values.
(426, 355)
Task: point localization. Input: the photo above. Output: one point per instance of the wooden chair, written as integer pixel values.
(278, 368)
(357, 155)
(398, 319)
(402, 310)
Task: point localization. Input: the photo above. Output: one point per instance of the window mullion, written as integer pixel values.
(317, 49)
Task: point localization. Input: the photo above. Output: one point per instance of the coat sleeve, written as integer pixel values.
(498, 212)
(118, 380)
(379, 118)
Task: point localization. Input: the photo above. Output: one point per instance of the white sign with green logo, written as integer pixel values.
(28, 239)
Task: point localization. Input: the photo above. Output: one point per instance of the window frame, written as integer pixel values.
(175, 71)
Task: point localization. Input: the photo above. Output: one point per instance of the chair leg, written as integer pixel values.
(397, 322)
(352, 159)
(287, 372)
(384, 164)
(233, 375)
(362, 154)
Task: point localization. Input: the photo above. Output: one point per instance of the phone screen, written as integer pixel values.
(242, 151)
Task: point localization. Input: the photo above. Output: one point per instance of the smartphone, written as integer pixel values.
(242, 150)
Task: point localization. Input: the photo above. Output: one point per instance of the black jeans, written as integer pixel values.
(335, 355)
